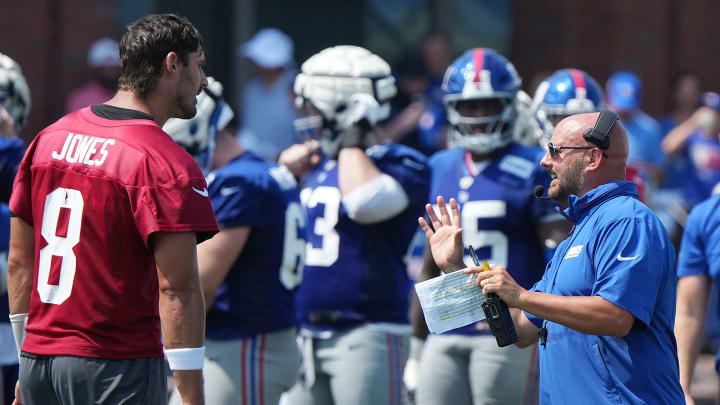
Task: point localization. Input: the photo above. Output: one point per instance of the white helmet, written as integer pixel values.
(197, 135)
(14, 91)
(332, 81)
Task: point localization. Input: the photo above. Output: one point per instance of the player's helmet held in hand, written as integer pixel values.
(337, 88)
(484, 81)
(14, 91)
(197, 135)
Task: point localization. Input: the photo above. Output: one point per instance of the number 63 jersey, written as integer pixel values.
(354, 273)
(95, 190)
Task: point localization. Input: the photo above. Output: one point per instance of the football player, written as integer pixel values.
(250, 269)
(492, 177)
(362, 202)
(107, 212)
(14, 110)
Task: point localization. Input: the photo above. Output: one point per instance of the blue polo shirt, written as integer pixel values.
(618, 249)
(700, 249)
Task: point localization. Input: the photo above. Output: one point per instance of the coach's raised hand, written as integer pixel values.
(445, 235)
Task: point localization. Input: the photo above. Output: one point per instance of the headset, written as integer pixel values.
(599, 134)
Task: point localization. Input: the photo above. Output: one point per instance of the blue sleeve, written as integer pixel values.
(4, 247)
(11, 154)
(4, 229)
(237, 202)
(412, 172)
(692, 260)
(539, 287)
(629, 265)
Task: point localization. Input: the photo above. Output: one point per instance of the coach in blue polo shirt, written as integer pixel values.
(605, 307)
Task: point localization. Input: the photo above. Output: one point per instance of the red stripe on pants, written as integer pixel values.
(261, 386)
(243, 366)
(391, 369)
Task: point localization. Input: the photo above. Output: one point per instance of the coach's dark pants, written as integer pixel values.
(73, 380)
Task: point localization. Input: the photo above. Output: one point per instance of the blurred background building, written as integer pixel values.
(659, 41)
(653, 39)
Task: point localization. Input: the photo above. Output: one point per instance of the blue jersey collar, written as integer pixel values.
(581, 206)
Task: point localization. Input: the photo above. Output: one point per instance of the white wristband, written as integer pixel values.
(191, 358)
(18, 322)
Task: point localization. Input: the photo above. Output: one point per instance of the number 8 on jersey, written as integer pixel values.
(62, 246)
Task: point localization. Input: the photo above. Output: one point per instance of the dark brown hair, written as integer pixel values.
(145, 45)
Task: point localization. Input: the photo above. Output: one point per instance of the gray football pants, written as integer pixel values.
(74, 380)
(362, 366)
(457, 369)
(253, 371)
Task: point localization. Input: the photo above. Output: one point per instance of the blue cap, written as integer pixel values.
(269, 48)
(623, 91)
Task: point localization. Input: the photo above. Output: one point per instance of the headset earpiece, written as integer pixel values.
(599, 134)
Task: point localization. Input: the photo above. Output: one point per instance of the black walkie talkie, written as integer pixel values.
(497, 314)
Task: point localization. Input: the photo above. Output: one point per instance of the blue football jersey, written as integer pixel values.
(498, 209)
(355, 273)
(12, 151)
(4, 247)
(258, 294)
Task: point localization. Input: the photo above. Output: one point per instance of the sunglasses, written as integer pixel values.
(555, 150)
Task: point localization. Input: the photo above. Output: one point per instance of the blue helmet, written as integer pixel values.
(566, 92)
(481, 74)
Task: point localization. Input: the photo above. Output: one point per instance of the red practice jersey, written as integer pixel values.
(94, 190)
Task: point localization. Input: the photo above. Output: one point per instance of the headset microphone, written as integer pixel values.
(538, 192)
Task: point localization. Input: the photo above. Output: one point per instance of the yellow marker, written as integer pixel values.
(485, 266)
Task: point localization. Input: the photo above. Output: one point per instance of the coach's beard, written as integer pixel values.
(569, 183)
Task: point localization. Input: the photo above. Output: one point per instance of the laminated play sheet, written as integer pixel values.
(451, 301)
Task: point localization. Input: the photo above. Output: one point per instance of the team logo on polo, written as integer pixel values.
(573, 252)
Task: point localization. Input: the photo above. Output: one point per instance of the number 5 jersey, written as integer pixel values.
(498, 210)
(95, 190)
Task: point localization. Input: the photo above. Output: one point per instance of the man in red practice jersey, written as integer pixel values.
(107, 211)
